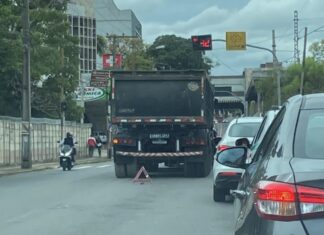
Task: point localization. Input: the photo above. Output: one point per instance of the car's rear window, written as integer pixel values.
(309, 138)
(244, 129)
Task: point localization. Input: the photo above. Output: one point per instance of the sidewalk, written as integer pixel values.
(49, 165)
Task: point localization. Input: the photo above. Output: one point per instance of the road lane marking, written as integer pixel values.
(82, 167)
(103, 166)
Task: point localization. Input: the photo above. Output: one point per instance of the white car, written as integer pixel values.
(226, 178)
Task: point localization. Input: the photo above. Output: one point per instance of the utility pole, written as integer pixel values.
(301, 89)
(26, 156)
(296, 38)
(62, 99)
(275, 61)
(276, 67)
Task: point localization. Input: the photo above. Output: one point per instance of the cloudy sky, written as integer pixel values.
(255, 17)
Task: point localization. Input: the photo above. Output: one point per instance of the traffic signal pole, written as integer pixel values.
(275, 63)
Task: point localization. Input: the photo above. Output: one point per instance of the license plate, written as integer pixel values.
(64, 159)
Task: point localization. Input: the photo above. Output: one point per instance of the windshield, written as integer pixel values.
(65, 148)
(243, 129)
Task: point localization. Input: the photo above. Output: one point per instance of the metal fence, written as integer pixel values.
(44, 136)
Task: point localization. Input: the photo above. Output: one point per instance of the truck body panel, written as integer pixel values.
(162, 118)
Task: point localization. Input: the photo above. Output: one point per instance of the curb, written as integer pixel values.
(46, 166)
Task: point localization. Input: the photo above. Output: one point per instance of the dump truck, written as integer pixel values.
(162, 118)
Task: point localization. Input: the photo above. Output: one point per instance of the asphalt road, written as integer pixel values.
(90, 200)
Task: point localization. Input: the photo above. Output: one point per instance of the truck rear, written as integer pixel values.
(162, 117)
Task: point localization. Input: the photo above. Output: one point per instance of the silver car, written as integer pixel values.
(226, 178)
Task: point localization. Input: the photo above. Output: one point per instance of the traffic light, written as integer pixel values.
(202, 42)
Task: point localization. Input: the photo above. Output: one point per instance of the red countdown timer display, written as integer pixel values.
(202, 42)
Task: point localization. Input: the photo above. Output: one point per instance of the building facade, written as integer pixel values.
(113, 21)
(229, 93)
(83, 25)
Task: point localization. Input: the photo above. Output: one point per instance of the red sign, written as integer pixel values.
(107, 61)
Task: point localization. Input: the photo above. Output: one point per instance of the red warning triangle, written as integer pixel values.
(142, 176)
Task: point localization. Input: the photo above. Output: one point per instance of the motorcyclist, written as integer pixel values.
(68, 140)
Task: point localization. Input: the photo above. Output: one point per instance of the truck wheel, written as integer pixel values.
(219, 194)
(189, 169)
(120, 170)
(132, 169)
(206, 168)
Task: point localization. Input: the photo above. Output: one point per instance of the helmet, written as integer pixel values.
(68, 134)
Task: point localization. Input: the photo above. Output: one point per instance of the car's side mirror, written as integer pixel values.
(233, 157)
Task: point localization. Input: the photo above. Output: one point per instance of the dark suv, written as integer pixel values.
(282, 190)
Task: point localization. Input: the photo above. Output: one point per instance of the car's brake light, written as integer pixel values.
(285, 202)
(222, 147)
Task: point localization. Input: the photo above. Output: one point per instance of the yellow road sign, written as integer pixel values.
(235, 41)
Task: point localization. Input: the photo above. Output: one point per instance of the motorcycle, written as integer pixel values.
(66, 153)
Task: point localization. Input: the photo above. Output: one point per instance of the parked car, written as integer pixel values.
(282, 189)
(226, 178)
(102, 136)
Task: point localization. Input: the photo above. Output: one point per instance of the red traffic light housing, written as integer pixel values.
(202, 42)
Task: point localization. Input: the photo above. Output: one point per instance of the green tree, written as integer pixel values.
(54, 55)
(135, 56)
(102, 45)
(177, 53)
(317, 50)
(133, 51)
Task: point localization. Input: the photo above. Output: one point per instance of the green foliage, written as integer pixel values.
(317, 50)
(102, 45)
(291, 78)
(135, 55)
(54, 54)
(177, 53)
(268, 89)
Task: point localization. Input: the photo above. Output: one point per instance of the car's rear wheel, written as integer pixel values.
(219, 194)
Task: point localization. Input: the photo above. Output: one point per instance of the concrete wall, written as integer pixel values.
(44, 137)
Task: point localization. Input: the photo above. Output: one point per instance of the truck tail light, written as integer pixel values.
(123, 141)
(115, 141)
(222, 147)
(285, 202)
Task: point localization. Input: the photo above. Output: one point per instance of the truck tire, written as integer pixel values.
(207, 168)
(132, 169)
(190, 169)
(120, 170)
(219, 194)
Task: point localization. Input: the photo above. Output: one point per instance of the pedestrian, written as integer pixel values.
(91, 145)
(99, 144)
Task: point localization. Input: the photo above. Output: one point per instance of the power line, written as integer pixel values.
(227, 66)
